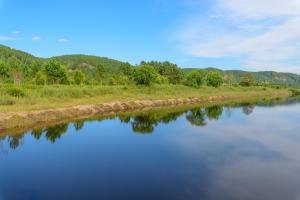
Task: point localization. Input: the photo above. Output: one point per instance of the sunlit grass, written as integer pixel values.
(57, 96)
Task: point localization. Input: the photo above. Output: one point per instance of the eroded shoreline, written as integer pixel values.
(26, 120)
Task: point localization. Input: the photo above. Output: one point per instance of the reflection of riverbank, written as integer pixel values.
(27, 120)
(146, 122)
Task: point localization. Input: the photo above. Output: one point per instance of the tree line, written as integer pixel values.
(146, 73)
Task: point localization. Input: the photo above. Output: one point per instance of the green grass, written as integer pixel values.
(32, 97)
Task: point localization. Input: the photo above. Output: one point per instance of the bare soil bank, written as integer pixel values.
(21, 120)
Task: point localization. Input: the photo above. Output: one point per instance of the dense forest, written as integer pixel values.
(17, 67)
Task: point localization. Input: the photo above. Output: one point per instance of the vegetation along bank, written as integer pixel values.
(34, 89)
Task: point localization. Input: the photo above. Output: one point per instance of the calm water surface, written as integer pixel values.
(220, 152)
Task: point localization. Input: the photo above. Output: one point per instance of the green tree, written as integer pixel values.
(79, 77)
(40, 78)
(4, 71)
(171, 71)
(145, 75)
(100, 72)
(15, 70)
(247, 80)
(126, 69)
(214, 79)
(56, 73)
(196, 78)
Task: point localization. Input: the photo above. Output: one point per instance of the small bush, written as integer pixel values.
(112, 81)
(161, 80)
(40, 78)
(79, 77)
(196, 78)
(15, 92)
(214, 79)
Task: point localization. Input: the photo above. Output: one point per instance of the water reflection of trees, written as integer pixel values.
(248, 109)
(196, 117)
(143, 122)
(214, 112)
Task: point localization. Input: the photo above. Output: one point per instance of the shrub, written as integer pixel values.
(214, 79)
(145, 75)
(40, 78)
(112, 81)
(161, 80)
(15, 92)
(78, 77)
(4, 70)
(196, 78)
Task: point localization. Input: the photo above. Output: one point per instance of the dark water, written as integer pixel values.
(219, 152)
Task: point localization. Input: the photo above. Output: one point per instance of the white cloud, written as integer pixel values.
(8, 38)
(36, 38)
(63, 40)
(16, 32)
(265, 33)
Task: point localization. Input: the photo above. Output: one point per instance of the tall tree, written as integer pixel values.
(15, 70)
(56, 73)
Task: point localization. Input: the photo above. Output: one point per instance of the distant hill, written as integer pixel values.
(70, 61)
(87, 63)
(288, 79)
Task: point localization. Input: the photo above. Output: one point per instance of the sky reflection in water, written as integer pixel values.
(219, 152)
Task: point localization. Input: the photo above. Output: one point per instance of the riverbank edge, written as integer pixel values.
(19, 120)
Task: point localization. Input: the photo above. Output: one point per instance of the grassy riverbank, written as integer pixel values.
(34, 97)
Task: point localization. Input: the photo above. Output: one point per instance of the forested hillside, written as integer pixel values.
(15, 64)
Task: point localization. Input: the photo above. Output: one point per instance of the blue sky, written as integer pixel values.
(229, 34)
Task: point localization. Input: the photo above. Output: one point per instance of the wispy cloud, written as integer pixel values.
(16, 32)
(63, 40)
(264, 33)
(36, 38)
(8, 38)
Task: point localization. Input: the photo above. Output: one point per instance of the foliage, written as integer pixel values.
(174, 74)
(56, 73)
(40, 78)
(15, 92)
(214, 79)
(161, 79)
(126, 69)
(4, 70)
(145, 75)
(196, 78)
(15, 69)
(78, 77)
